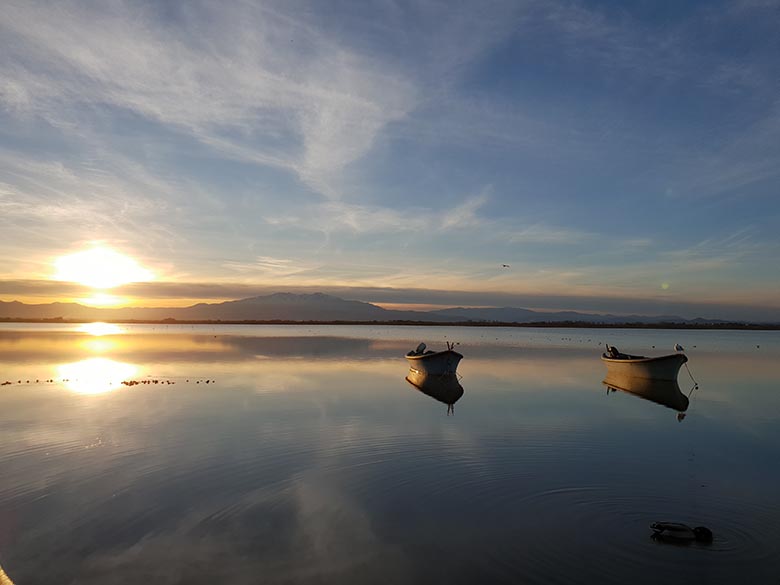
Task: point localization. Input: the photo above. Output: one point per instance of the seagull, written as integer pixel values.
(678, 347)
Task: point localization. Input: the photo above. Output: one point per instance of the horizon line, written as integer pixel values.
(397, 307)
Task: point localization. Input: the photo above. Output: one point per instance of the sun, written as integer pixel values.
(100, 268)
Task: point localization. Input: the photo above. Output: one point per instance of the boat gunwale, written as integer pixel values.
(637, 359)
(434, 354)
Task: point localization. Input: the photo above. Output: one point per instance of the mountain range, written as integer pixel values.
(315, 307)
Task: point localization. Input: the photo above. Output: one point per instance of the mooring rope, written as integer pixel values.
(695, 383)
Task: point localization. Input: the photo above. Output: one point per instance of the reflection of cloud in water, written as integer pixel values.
(535, 371)
(279, 382)
(95, 375)
(141, 347)
(305, 526)
(309, 533)
(336, 536)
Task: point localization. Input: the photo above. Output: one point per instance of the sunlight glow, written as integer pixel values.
(100, 328)
(95, 375)
(100, 268)
(98, 345)
(102, 300)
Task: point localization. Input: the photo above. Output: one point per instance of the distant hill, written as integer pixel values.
(317, 307)
(516, 315)
(279, 306)
(297, 307)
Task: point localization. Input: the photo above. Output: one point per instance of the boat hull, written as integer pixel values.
(659, 368)
(439, 363)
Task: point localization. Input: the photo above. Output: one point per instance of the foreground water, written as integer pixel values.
(255, 454)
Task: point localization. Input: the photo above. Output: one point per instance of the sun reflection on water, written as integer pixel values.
(98, 345)
(100, 328)
(95, 375)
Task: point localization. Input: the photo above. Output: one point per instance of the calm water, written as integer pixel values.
(301, 455)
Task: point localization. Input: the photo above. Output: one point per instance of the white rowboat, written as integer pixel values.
(433, 363)
(636, 366)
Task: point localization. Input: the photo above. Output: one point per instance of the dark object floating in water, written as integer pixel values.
(679, 533)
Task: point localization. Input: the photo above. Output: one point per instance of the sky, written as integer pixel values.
(620, 157)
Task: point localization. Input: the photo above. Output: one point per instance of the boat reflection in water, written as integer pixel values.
(664, 392)
(443, 387)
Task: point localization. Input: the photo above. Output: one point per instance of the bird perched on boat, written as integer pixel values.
(678, 347)
(680, 533)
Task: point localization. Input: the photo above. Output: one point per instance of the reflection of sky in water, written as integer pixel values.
(312, 460)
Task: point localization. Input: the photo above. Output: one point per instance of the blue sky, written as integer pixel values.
(614, 154)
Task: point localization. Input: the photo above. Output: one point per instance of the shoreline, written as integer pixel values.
(535, 324)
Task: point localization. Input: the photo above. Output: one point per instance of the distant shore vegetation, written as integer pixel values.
(544, 324)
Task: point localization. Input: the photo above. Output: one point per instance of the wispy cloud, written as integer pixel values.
(266, 266)
(336, 216)
(461, 222)
(543, 234)
(718, 252)
(252, 73)
(465, 214)
(255, 84)
(52, 205)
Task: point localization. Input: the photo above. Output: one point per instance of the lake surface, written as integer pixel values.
(299, 454)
